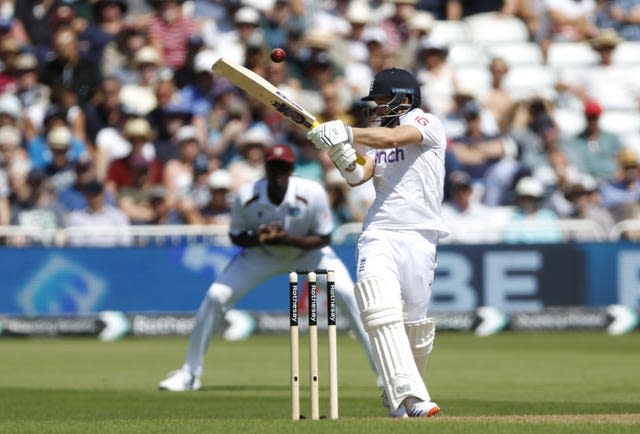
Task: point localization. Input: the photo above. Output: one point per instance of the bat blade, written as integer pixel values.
(259, 88)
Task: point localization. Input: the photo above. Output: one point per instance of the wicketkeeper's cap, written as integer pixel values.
(281, 153)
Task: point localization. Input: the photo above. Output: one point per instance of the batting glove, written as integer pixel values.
(329, 134)
(343, 155)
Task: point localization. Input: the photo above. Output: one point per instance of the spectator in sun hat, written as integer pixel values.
(140, 95)
(530, 222)
(593, 150)
(621, 194)
(218, 209)
(614, 88)
(60, 170)
(179, 171)
(33, 94)
(41, 149)
(251, 149)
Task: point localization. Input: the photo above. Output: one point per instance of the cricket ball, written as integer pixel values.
(278, 55)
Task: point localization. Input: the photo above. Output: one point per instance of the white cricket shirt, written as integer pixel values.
(304, 211)
(409, 180)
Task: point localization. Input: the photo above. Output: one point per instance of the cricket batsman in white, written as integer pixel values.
(283, 223)
(403, 151)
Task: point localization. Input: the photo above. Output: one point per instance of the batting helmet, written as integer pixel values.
(392, 82)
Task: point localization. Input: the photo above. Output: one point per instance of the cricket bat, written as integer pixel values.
(259, 88)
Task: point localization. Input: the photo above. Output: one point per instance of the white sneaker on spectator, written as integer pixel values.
(180, 381)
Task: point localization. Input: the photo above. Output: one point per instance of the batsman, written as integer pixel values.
(403, 150)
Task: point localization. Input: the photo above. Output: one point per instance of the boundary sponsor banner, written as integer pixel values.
(113, 325)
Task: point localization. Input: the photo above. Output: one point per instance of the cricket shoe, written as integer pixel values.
(419, 408)
(180, 381)
(399, 413)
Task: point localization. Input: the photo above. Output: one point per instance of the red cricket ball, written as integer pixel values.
(278, 55)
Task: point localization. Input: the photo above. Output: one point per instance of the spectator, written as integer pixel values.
(420, 26)
(167, 121)
(35, 16)
(98, 225)
(109, 22)
(32, 93)
(129, 176)
(584, 208)
(530, 223)
(594, 151)
(9, 50)
(621, 15)
(569, 20)
(105, 110)
(178, 173)
(34, 205)
(72, 197)
(436, 76)
(139, 96)
(251, 149)
(218, 210)
(486, 158)
(613, 87)
(69, 68)
(11, 110)
(397, 25)
(118, 58)
(41, 149)
(469, 220)
(621, 195)
(198, 96)
(169, 32)
(60, 170)
(163, 214)
(499, 100)
(278, 19)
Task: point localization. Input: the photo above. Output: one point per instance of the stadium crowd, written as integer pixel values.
(110, 114)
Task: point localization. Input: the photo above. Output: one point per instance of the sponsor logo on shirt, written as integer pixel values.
(389, 156)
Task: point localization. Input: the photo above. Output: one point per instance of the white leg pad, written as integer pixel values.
(381, 313)
(421, 335)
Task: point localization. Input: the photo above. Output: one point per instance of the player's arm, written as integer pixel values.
(387, 138)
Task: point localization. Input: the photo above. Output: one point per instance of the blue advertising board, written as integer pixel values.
(175, 278)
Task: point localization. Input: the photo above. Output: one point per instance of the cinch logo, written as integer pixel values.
(391, 157)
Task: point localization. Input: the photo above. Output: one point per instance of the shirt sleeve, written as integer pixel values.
(430, 127)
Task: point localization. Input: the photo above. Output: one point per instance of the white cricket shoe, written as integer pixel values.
(399, 413)
(180, 381)
(419, 408)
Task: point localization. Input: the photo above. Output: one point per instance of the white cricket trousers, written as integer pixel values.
(249, 269)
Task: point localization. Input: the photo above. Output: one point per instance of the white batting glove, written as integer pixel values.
(329, 134)
(343, 155)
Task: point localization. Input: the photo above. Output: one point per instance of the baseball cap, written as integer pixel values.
(92, 188)
(281, 153)
(459, 179)
(592, 108)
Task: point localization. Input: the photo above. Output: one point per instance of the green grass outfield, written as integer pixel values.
(510, 383)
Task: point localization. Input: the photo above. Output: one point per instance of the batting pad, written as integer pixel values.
(381, 313)
(421, 335)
